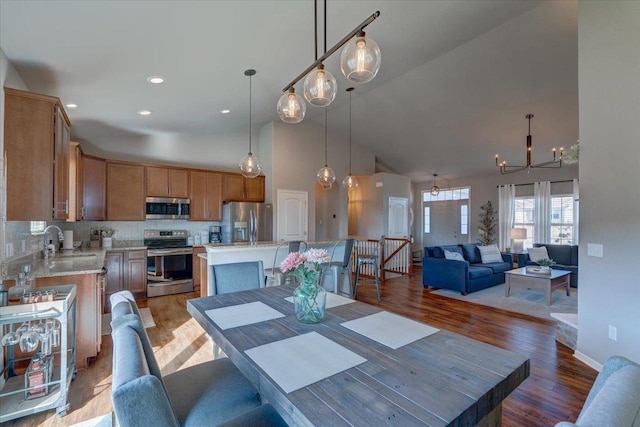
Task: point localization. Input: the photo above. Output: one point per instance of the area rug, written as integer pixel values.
(145, 313)
(530, 302)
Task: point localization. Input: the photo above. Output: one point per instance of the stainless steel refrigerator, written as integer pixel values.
(247, 222)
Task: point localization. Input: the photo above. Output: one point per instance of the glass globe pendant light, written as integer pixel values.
(435, 190)
(320, 87)
(350, 182)
(360, 59)
(291, 107)
(250, 165)
(326, 175)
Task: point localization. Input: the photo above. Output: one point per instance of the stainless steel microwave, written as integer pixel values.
(167, 208)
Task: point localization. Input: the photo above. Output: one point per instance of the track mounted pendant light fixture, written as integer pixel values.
(555, 163)
(350, 182)
(250, 165)
(435, 190)
(326, 175)
(360, 63)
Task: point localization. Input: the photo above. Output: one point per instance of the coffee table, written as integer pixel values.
(519, 277)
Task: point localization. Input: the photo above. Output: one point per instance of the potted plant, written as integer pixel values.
(545, 264)
(487, 227)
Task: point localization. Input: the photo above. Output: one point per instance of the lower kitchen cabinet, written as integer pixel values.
(197, 280)
(126, 269)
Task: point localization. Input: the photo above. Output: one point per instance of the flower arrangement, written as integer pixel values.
(546, 262)
(305, 265)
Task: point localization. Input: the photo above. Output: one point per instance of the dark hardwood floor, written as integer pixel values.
(555, 390)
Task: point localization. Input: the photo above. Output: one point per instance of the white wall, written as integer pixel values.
(609, 87)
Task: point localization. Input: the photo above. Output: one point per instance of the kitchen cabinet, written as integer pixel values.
(237, 188)
(36, 145)
(126, 270)
(125, 192)
(206, 196)
(167, 182)
(197, 261)
(91, 188)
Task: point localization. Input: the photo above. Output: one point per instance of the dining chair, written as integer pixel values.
(234, 277)
(339, 267)
(275, 277)
(371, 257)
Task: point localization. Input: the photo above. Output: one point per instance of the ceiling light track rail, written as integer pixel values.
(333, 50)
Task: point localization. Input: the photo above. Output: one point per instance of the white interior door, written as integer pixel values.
(398, 217)
(292, 215)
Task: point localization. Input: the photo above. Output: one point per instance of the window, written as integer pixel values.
(37, 227)
(444, 195)
(464, 219)
(524, 217)
(562, 220)
(427, 219)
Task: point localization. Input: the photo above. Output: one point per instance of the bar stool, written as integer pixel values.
(372, 258)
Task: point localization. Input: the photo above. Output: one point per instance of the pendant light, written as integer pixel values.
(250, 165)
(360, 59)
(350, 182)
(326, 176)
(320, 86)
(291, 107)
(435, 190)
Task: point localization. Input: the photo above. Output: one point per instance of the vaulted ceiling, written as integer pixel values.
(457, 77)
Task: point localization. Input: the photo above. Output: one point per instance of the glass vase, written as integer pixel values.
(309, 302)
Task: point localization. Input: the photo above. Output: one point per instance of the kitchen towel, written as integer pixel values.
(68, 239)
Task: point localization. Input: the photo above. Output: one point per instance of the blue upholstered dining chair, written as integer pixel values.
(234, 277)
(372, 257)
(337, 267)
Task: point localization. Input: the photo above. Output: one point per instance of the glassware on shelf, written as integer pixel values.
(11, 337)
(29, 340)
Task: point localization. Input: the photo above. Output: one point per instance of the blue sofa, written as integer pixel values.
(465, 276)
(565, 257)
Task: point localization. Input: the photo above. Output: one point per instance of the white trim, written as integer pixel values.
(587, 360)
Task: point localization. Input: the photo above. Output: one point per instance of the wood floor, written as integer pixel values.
(555, 390)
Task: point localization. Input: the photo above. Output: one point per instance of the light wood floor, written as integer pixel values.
(555, 390)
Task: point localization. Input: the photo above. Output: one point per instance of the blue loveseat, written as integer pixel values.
(465, 276)
(565, 257)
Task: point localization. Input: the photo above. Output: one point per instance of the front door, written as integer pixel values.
(448, 222)
(292, 215)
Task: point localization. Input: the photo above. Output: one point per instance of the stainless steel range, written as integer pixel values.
(169, 262)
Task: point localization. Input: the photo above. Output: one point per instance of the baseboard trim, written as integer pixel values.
(587, 360)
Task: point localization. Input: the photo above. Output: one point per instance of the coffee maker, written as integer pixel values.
(215, 234)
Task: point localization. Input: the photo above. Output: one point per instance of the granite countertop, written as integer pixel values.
(128, 245)
(243, 245)
(64, 263)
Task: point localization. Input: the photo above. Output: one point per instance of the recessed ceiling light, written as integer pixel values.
(144, 112)
(225, 111)
(155, 79)
(72, 105)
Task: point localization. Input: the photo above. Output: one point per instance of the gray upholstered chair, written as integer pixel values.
(212, 393)
(373, 258)
(338, 267)
(234, 277)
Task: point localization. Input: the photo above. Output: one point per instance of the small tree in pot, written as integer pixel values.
(487, 228)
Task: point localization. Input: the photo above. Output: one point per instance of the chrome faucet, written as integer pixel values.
(45, 252)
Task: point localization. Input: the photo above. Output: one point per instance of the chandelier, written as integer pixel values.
(350, 182)
(326, 176)
(555, 163)
(435, 190)
(250, 165)
(359, 62)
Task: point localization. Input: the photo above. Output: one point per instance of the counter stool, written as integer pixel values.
(371, 258)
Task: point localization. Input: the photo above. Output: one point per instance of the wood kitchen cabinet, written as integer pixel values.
(125, 192)
(206, 196)
(91, 188)
(197, 261)
(36, 145)
(167, 182)
(237, 188)
(126, 270)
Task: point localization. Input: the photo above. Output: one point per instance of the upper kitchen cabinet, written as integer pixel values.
(36, 141)
(92, 186)
(236, 188)
(125, 192)
(167, 182)
(206, 196)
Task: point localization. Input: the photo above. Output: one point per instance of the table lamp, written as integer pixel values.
(518, 235)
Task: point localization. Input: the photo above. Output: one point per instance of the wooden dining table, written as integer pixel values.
(443, 379)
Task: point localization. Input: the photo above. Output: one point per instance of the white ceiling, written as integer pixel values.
(456, 81)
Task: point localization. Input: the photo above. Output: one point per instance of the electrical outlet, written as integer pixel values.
(613, 333)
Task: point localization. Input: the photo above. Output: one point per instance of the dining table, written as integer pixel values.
(360, 365)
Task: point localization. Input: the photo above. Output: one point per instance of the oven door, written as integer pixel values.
(169, 271)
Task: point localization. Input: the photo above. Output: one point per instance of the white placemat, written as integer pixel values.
(299, 361)
(390, 329)
(242, 314)
(333, 300)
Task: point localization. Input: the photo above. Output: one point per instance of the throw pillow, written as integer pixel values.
(490, 254)
(453, 255)
(537, 254)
